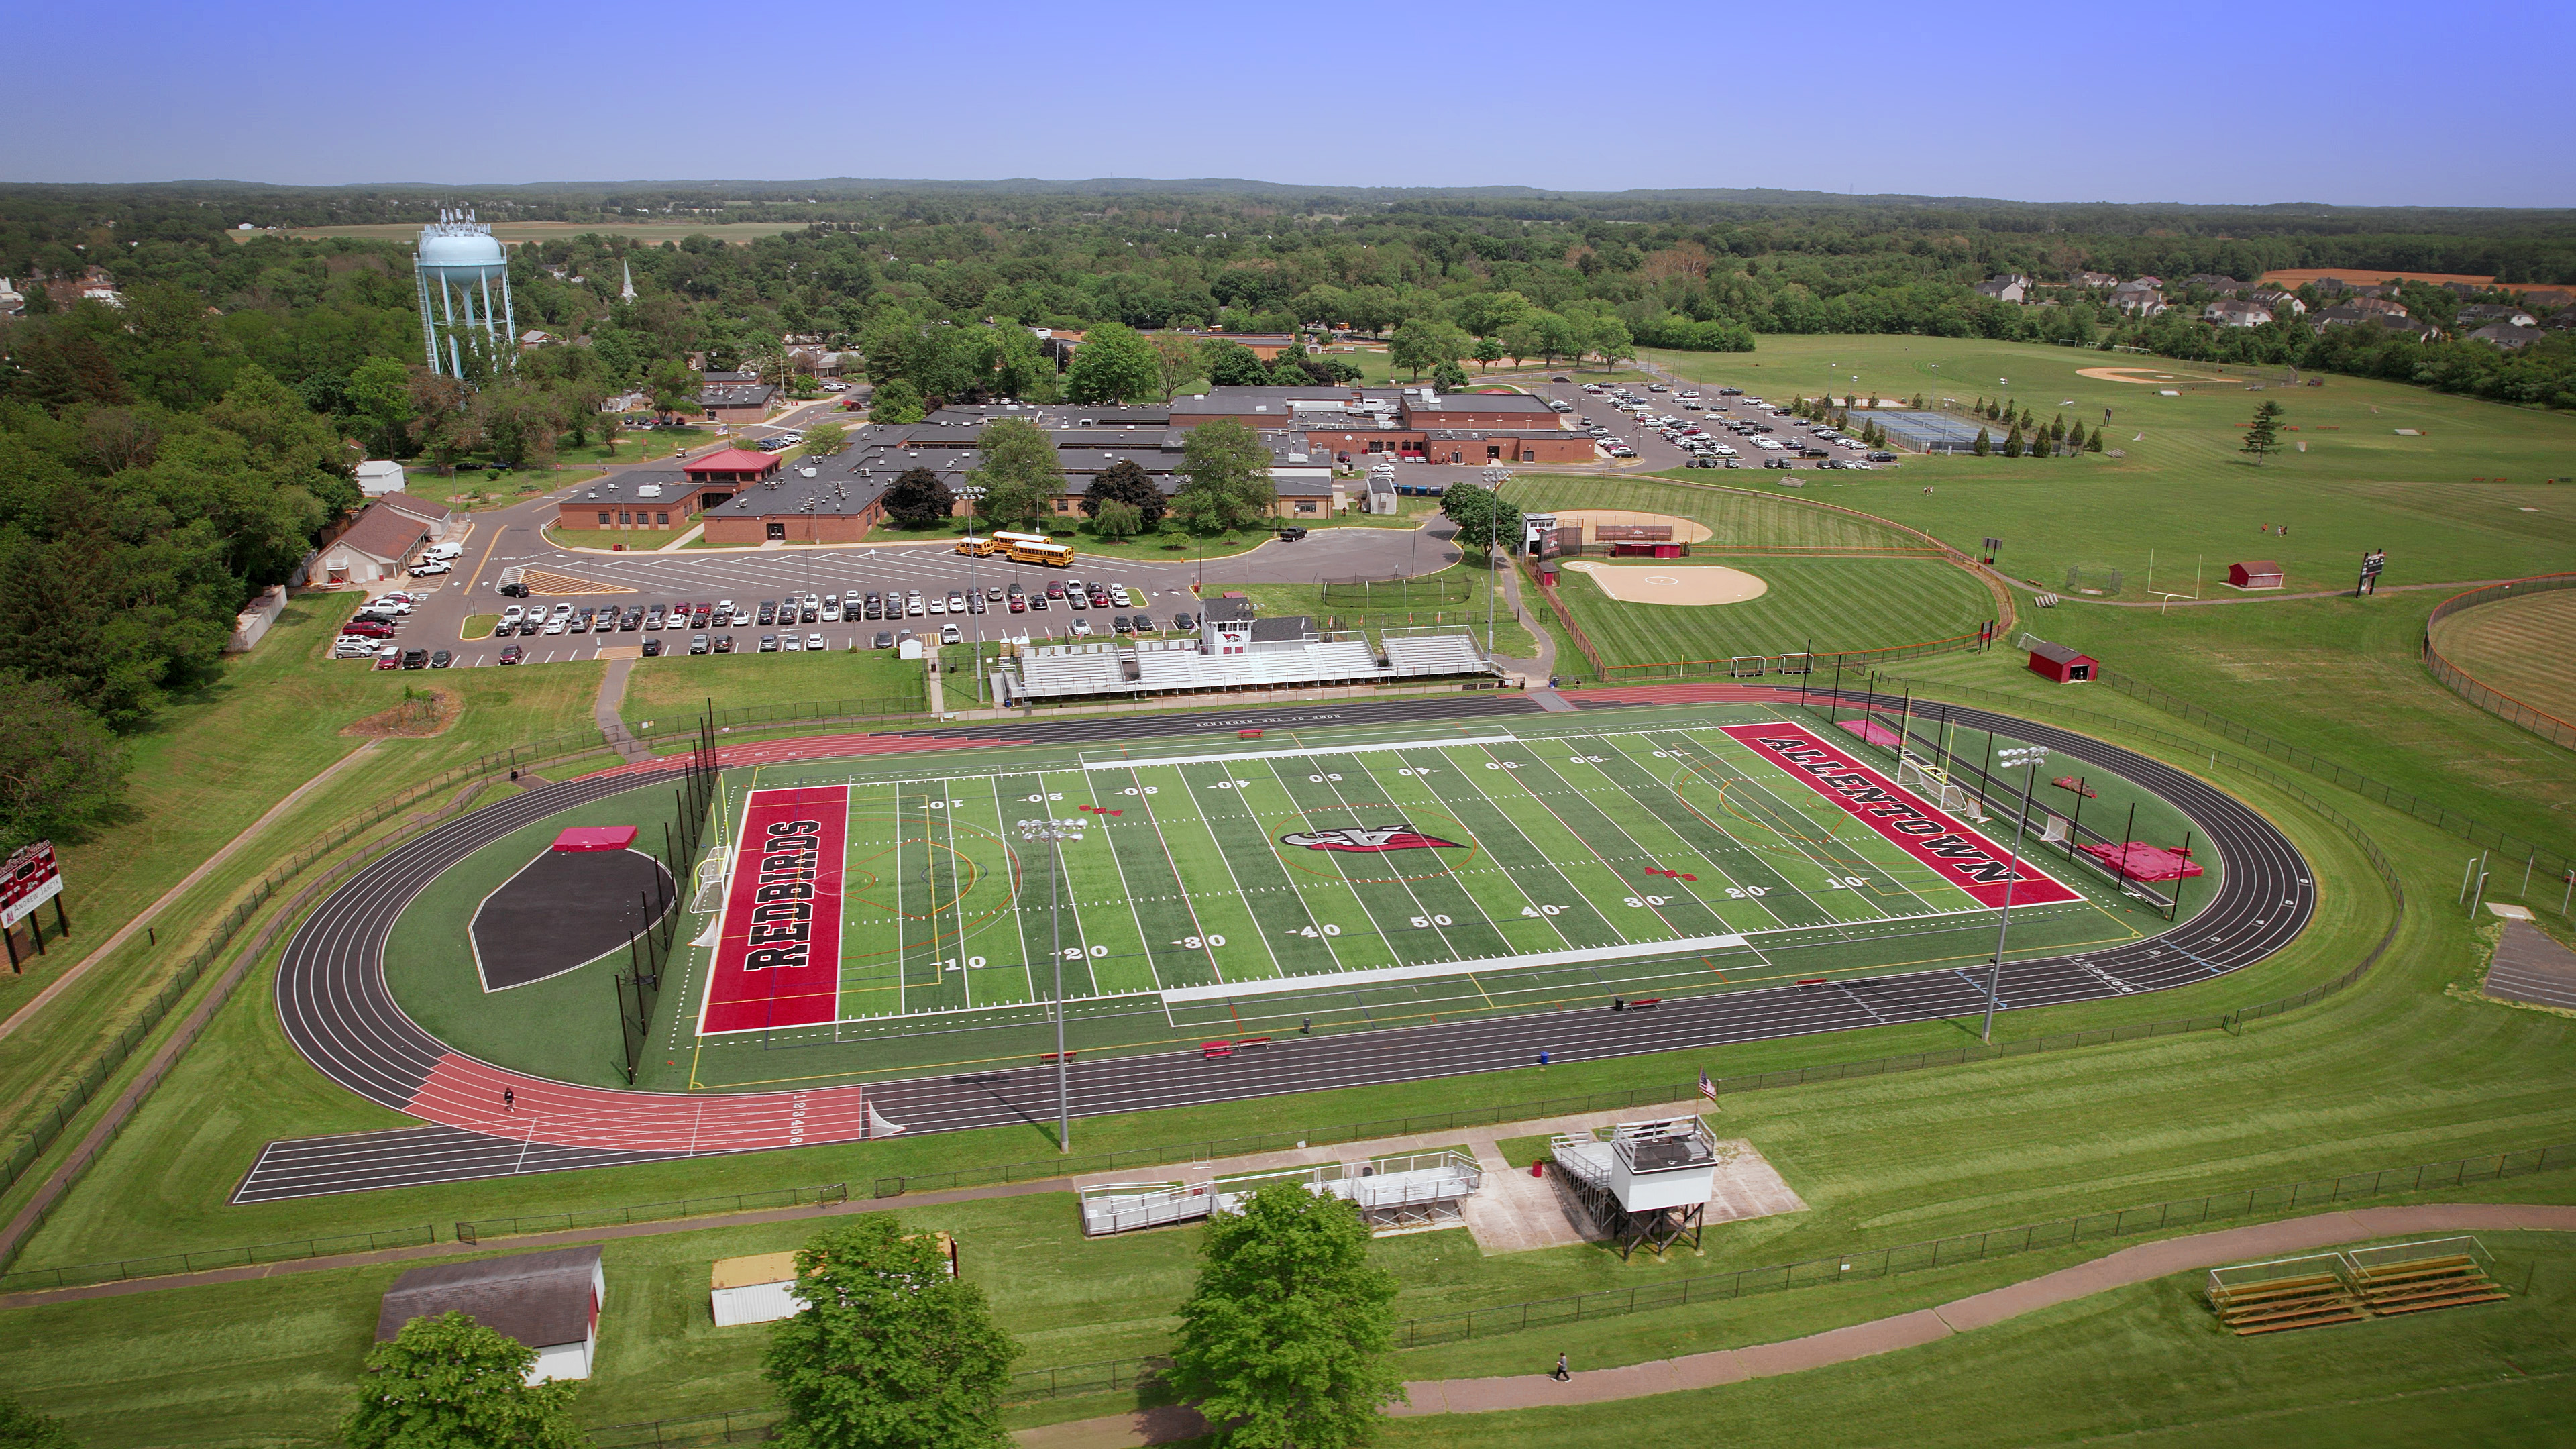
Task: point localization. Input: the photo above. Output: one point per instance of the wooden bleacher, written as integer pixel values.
(2445, 1280)
(2298, 1300)
(2347, 1287)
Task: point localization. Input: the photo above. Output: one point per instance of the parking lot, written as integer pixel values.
(1716, 415)
(583, 579)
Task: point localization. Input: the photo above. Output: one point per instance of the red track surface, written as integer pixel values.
(462, 1092)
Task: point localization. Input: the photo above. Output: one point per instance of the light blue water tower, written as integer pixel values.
(457, 268)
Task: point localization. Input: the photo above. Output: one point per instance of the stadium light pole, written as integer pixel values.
(2030, 758)
(1055, 833)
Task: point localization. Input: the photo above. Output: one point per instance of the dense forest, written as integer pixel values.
(164, 457)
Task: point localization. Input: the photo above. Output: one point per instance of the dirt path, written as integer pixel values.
(144, 917)
(2139, 1264)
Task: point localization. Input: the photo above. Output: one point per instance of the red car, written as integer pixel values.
(368, 629)
(513, 654)
(1019, 605)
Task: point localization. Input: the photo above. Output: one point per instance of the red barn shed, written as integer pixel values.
(2259, 573)
(2056, 661)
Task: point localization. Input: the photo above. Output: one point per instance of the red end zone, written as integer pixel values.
(778, 954)
(1956, 853)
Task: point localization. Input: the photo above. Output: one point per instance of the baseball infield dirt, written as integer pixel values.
(1684, 530)
(1663, 583)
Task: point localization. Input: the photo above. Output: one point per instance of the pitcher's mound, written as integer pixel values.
(1663, 584)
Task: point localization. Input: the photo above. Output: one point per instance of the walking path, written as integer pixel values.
(2142, 1263)
(603, 711)
(144, 917)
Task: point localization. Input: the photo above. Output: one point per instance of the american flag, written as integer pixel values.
(1707, 1088)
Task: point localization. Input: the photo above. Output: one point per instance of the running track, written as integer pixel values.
(336, 1008)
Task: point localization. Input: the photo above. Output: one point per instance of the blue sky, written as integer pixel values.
(2356, 103)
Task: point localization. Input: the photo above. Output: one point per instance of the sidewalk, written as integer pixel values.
(2139, 1264)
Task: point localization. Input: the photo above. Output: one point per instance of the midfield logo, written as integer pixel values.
(1370, 841)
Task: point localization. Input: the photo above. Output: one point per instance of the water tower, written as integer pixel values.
(457, 268)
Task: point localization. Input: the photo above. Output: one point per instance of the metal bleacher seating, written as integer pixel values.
(1420, 654)
(1160, 666)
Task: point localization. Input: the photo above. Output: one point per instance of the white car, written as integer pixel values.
(831, 613)
(554, 626)
(428, 567)
(938, 606)
(1081, 628)
(815, 642)
(513, 614)
(791, 644)
(1689, 394)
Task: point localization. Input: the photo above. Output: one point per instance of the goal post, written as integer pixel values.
(1935, 783)
(707, 891)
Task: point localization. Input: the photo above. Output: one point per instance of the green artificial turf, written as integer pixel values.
(747, 684)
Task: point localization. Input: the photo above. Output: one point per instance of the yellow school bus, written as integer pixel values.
(1039, 551)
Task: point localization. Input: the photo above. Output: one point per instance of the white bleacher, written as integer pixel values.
(1418, 654)
(1160, 666)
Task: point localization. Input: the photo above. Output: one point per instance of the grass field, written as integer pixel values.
(867, 680)
(2520, 647)
(1452, 595)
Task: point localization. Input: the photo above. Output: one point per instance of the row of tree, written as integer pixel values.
(1225, 471)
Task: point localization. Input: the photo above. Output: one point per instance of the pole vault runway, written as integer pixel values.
(336, 1008)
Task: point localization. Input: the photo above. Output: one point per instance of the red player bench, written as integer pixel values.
(1050, 1056)
(1247, 734)
(1211, 1050)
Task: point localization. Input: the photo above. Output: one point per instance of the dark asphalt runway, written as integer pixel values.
(336, 1008)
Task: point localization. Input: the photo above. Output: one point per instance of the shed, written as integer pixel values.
(2056, 661)
(2259, 573)
(757, 1289)
(379, 476)
(548, 1301)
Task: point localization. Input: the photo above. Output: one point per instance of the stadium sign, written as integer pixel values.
(33, 879)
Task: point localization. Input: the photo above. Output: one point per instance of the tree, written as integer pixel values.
(1176, 361)
(2263, 435)
(895, 400)
(1229, 477)
(1019, 472)
(450, 1383)
(1488, 352)
(60, 769)
(1985, 443)
(1231, 364)
(890, 1351)
(1112, 365)
(674, 387)
(1118, 520)
(24, 1428)
(380, 390)
(1520, 340)
(1287, 1337)
(825, 438)
(1415, 347)
(1125, 482)
(1449, 377)
(919, 500)
(2012, 442)
(2094, 444)
(1482, 516)
(1609, 337)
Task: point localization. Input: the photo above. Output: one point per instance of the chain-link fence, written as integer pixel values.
(2485, 696)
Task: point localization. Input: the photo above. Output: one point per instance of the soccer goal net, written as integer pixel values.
(2057, 830)
(1934, 784)
(707, 893)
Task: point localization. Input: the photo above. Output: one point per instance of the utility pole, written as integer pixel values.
(2030, 758)
(970, 492)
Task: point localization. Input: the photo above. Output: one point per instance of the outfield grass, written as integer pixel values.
(679, 686)
(1827, 604)
(1453, 595)
(1739, 518)
(2520, 647)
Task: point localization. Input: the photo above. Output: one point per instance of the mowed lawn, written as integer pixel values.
(1828, 604)
(846, 681)
(2465, 499)
(2522, 647)
(1738, 518)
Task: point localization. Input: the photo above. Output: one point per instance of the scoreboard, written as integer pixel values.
(33, 879)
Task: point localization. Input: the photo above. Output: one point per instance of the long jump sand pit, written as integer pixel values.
(1662, 583)
(1591, 519)
(2146, 375)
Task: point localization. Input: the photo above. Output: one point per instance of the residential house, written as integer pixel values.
(2092, 279)
(2281, 302)
(2482, 312)
(2507, 335)
(2543, 298)
(2005, 287)
(2212, 282)
(2236, 312)
(2370, 300)
(379, 476)
(2143, 297)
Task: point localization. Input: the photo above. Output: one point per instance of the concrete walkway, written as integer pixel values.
(2142, 1263)
(603, 710)
(144, 917)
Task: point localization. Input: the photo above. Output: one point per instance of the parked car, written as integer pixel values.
(1019, 603)
(1145, 625)
(701, 644)
(948, 634)
(1081, 628)
(724, 643)
(815, 642)
(415, 659)
(512, 654)
(768, 643)
(791, 644)
(1185, 623)
(885, 639)
(441, 660)
(652, 648)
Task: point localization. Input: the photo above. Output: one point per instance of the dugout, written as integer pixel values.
(2254, 574)
(2059, 663)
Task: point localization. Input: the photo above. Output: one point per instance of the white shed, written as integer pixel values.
(380, 476)
(757, 1289)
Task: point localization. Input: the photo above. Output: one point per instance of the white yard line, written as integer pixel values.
(1291, 754)
(1833, 829)
(1423, 913)
(1746, 889)
(1488, 964)
(1509, 878)
(1637, 893)
(1276, 968)
(1172, 863)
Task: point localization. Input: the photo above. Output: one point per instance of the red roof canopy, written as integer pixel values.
(732, 460)
(596, 837)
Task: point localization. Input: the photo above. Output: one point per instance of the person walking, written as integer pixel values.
(1562, 1374)
(509, 1099)
(1542, 1059)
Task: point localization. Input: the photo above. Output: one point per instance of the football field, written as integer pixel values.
(1272, 886)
